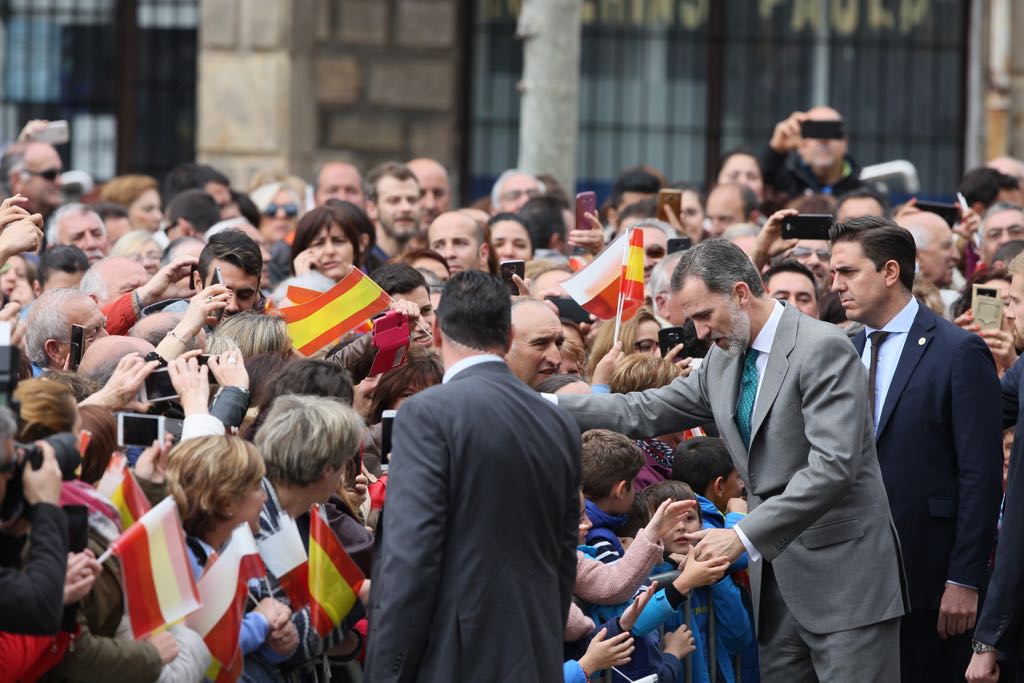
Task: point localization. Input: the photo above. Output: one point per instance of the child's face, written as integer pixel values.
(585, 522)
(676, 541)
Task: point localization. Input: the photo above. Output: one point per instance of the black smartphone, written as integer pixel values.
(678, 244)
(77, 346)
(510, 268)
(693, 346)
(387, 422)
(569, 309)
(669, 338)
(158, 387)
(807, 226)
(217, 279)
(136, 429)
(78, 527)
(822, 130)
(948, 212)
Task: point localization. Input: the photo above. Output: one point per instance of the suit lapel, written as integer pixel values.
(860, 340)
(776, 369)
(918, 339)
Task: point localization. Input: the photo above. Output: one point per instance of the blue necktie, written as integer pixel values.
(748, 392)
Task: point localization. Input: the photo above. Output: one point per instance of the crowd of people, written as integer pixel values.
(815, 483)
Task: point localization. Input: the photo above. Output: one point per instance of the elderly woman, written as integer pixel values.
(301, 472)
(216, 482)
(280, 205)
(139, 246)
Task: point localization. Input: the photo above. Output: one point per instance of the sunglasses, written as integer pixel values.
(290, 210)
(804, 252)
(655, 251)
(49, 174)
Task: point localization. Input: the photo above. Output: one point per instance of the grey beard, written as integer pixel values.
(739, 335)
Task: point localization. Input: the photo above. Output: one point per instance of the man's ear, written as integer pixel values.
(485, 252)
(371, 210)
(197, 280)
(435, 335)
(54, 352)
(718, 486)
(620, 489)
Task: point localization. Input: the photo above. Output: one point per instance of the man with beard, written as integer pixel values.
(787, 394)
(394, 206)
(938, 435)
(437, 192)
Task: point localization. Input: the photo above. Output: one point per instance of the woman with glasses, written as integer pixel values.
(639, 335)
(280, 206)
(140, 247)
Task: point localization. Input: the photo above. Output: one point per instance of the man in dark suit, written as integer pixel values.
(477, 551)
(1002, 615)
(934, 395)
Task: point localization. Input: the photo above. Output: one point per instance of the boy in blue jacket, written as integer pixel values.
(609, 462)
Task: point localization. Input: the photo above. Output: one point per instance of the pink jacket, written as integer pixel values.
(610, 584)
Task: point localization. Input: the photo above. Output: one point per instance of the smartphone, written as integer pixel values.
(948, 212)
(669, 338)
(77, 346)
(807, 226)
(387, 421)
(55, 133)
(136, 429)
(157, 387)
(586, 202)
(78, 527)
(822, 130)
(693, 346)
(987, 307)
(678, 244)
(510, 268)
(672, 198)
(569, 309)
(217, 279)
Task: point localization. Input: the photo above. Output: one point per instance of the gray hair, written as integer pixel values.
(505, 175)
(740, 230)
(998, 207)
(719, 265)
(256, 333)
(661, 275)
(53, 231)
(216, 344)
(669, 231)
(48, 319)
(92, 283)
(330, 429)
(8, 425)
(13, 160)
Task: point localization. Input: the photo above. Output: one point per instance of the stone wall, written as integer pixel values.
(288, 84)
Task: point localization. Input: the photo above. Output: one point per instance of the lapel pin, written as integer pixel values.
(921, 341)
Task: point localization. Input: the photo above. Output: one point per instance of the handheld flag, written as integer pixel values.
(333, 314)
(285, 558)
(334, 579)
(158, 584)
(223, 590)
(119, 485)
(614, 281)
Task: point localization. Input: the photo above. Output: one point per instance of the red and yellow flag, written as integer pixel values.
(159, 587)
(334, 579)
(618, 271)
(286, 559)
(316, 323)
(119, 485)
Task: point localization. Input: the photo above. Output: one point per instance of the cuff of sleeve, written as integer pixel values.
(751, 550)
(552, 398)
(600, 389)
(201, 424)
(951, 582)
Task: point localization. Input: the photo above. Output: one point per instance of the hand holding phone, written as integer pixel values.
(987, 307)
(669, 199)
(586, 202)
(807, 226)
(77, 347)
(391, 338)
(510, 268)
(137, 429)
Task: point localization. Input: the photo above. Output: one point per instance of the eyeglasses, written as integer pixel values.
(1014, 231)
(804, 252)
(291, 210)
(49, 174)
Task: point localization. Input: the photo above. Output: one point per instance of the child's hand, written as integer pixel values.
(666, 517)
(679, 642)
(696, 572)
(632, 613)
(602, 653)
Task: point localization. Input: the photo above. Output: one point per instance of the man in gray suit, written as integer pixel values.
(789, 396)
(476, 552)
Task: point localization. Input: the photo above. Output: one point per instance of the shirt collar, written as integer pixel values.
(901, 322)
(468, 363)
(764, 339)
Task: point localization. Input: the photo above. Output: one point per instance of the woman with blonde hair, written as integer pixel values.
(139, 246)
(138, 194)
(280, 205)
(639, 335)
(256, 333)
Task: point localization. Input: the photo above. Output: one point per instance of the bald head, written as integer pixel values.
(340, 180)
(111, 277)
(102, 356)
(435, 186)
(537, 337)
(154, 327)
(460, 240)
(936, 255)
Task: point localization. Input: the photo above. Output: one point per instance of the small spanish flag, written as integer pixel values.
(334, 579)
(316, 323)
(119, 485)
(617, 272)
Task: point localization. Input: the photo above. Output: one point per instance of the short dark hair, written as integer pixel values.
(790, 266)
(65, 258)
(247, 207)
(658, 492)
(636, 180)
(882, 240)
(208, 174)
(345, 215)
(738, 152)
(107, 210)
(606, 458)
(476, 310)
(1006, 252)
(398, 278)
(719, 265)
(553, 383)
(645, 208)
(195, 206)
(235, 247)
(389, 169)
(701, 460)
(542, 217)
(747, 196)
(863, 192)
(184, 176)
(307, 376)
(983, 185)
(421, 370)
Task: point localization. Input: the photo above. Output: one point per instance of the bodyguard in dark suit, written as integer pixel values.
(934, 393)
(477, 549)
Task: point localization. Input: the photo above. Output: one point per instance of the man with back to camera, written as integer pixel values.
(788, 395)
(451, 555)
(934, 396)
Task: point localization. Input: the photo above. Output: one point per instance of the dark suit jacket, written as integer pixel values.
(939, 442)
(1002, 614)
(477, 554)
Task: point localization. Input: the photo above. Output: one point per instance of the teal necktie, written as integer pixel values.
(748, 392)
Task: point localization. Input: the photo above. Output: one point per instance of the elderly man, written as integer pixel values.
(512, 189)
(79, 225)
(936, 249)
(49, 326)
(1002, 222)
(537, 337)
(340, 180)
(794, 164)
(101, 358)
(460, 240)
(109, 278)
(436, 197)
(659, 289)
(33, 169)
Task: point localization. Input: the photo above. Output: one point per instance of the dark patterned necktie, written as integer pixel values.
(748, 392)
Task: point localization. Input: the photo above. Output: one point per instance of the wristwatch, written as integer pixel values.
(980, 647)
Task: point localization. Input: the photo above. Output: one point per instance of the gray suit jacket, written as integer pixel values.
(477, 545)
(819, 512)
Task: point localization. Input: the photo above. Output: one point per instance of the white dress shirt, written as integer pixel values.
(889, 352)
(469, 362)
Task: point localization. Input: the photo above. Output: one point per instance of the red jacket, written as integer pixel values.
(120, 314)
(26, 658)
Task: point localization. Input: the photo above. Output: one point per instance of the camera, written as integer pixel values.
(31, 455)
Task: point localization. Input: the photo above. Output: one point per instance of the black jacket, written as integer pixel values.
(789, 175)
(32, 597)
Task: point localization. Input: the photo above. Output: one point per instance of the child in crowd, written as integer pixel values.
(609, 462)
